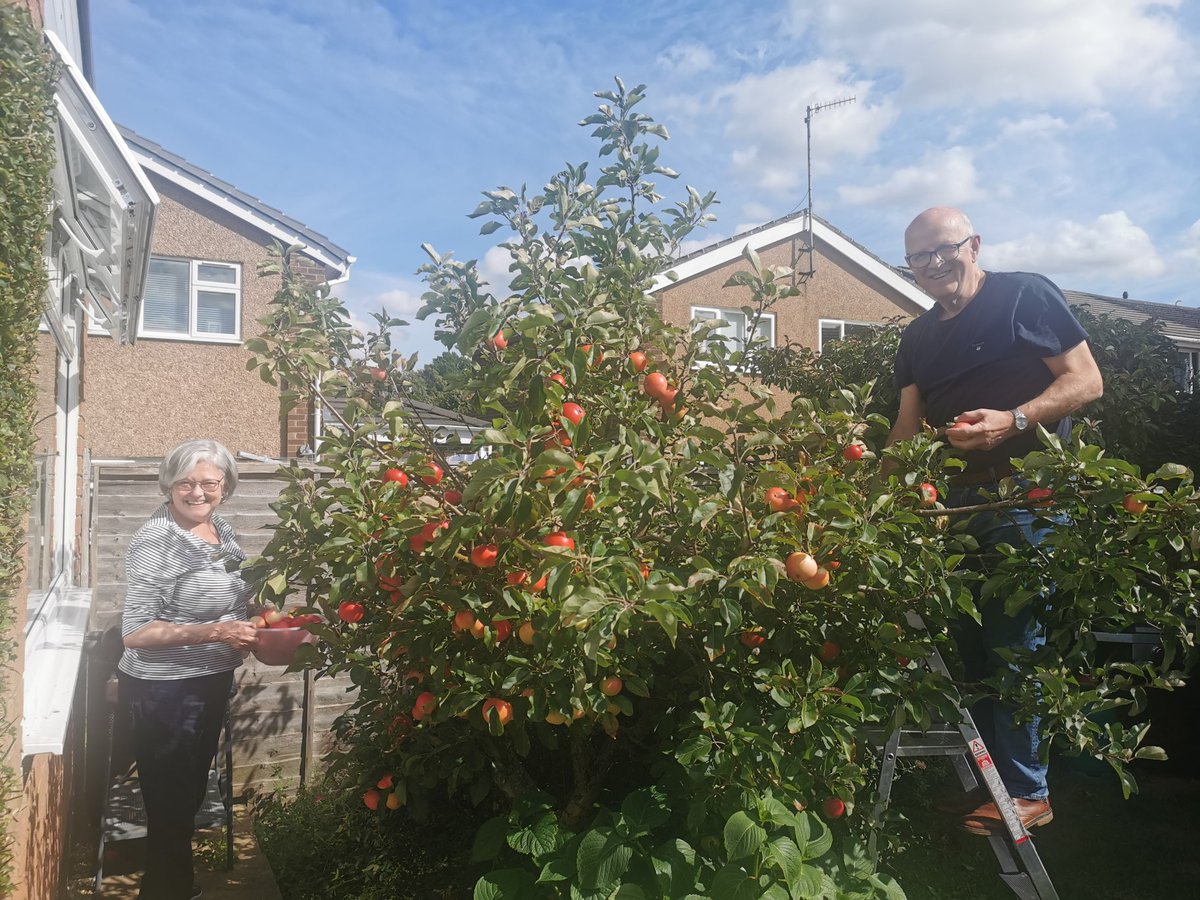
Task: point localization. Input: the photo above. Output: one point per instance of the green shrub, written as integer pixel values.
(323, 844)
(26, 157)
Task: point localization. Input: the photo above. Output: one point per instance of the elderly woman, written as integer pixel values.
(185, 629)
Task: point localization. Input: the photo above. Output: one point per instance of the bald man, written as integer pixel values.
(998, 354)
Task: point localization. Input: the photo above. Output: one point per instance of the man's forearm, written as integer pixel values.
(1066, 394)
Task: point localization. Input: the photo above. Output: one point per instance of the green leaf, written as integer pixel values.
(489, 839)
(645, 809)
(694, 749)
(743, 836)
(602, 859)
(503, 884)
(665, 617)
(537, 839)
(734, 882)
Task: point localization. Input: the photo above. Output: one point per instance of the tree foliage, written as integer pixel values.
(592, 627)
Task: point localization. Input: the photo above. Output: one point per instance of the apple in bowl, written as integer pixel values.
(280, 634)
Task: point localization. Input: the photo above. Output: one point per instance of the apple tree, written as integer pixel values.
(658, 622)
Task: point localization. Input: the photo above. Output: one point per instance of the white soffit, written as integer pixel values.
(704, 261)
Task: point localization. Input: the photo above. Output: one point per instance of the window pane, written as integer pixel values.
(217, 273)
(216, 312)
(850, 328)
(830, 332)
(165, 307)
(766, 330)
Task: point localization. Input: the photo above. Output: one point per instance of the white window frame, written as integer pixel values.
(195, 286)
(723, 313)
(1188, 369)
(841, 324)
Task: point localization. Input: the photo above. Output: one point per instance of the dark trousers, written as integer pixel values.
(175, 726)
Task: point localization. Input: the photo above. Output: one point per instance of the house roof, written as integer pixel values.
(1180, 323)
(174, 168)
(793, 225)
(440, 421)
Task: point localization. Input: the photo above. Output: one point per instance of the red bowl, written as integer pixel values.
(277, 646)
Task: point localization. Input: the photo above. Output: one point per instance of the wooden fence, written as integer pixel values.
(281, 722)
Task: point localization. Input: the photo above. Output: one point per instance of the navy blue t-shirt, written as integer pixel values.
(990, 356)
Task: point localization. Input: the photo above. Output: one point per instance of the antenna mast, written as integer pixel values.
(808, 114)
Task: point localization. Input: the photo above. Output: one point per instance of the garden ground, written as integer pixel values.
(1099, 847)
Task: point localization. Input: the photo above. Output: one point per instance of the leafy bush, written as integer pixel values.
(323, 844)
(26, 158)
(656, 621)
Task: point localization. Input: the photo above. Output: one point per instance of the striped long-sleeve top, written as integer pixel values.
(176, 577)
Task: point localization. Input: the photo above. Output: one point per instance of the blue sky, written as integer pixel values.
(1067, 129)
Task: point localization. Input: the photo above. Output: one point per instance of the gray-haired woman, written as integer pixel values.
(185, 630)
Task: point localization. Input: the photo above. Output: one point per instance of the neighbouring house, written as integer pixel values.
(1181, 324)
(153, 287)
(843, 286)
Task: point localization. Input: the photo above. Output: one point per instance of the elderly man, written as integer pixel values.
(999, 353)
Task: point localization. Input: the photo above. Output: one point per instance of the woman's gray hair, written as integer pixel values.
(178, 464)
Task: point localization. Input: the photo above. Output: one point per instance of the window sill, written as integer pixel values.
(186, 339)
(53, 653)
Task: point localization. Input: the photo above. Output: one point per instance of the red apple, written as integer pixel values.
(498, 341)
(502, 709)
(834, 807)
(852, 451)
(558, 379)
(350, 611)
(559, 539)
(484, 555)
(397, 476)
(654, 384)
(1132, 504)
(573, 413)
(752, 639)
(502, 630)
(454, 498)
(611, 686)
(424, 706)
(799, 566)
(638, 360)
(929, 494)
(435, 474)
(830, 650)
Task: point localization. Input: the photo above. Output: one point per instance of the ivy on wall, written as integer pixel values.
(26, 160)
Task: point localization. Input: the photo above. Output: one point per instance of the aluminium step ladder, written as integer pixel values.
(1020, 866)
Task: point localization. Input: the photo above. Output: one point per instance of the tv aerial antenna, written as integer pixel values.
(809, 112)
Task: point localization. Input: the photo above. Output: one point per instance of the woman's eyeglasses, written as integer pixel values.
(210, 486)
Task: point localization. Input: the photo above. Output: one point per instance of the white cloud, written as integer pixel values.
(493, 269)
(1112, 245)
(1028, 51)
(765, 114)
(1038, 126)
(1191, 243)
(757, 212)
(686, 59)
(368, 292)
(942, 178)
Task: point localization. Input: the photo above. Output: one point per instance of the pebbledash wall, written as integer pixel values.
(837, 291)
(144, 399)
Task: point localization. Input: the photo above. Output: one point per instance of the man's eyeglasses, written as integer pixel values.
(209, 486)
(924, 258)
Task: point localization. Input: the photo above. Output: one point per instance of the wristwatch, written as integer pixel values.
(1019, 420)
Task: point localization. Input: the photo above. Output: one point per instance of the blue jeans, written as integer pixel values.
(1013, 746)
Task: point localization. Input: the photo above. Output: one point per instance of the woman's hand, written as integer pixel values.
(239, 635)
